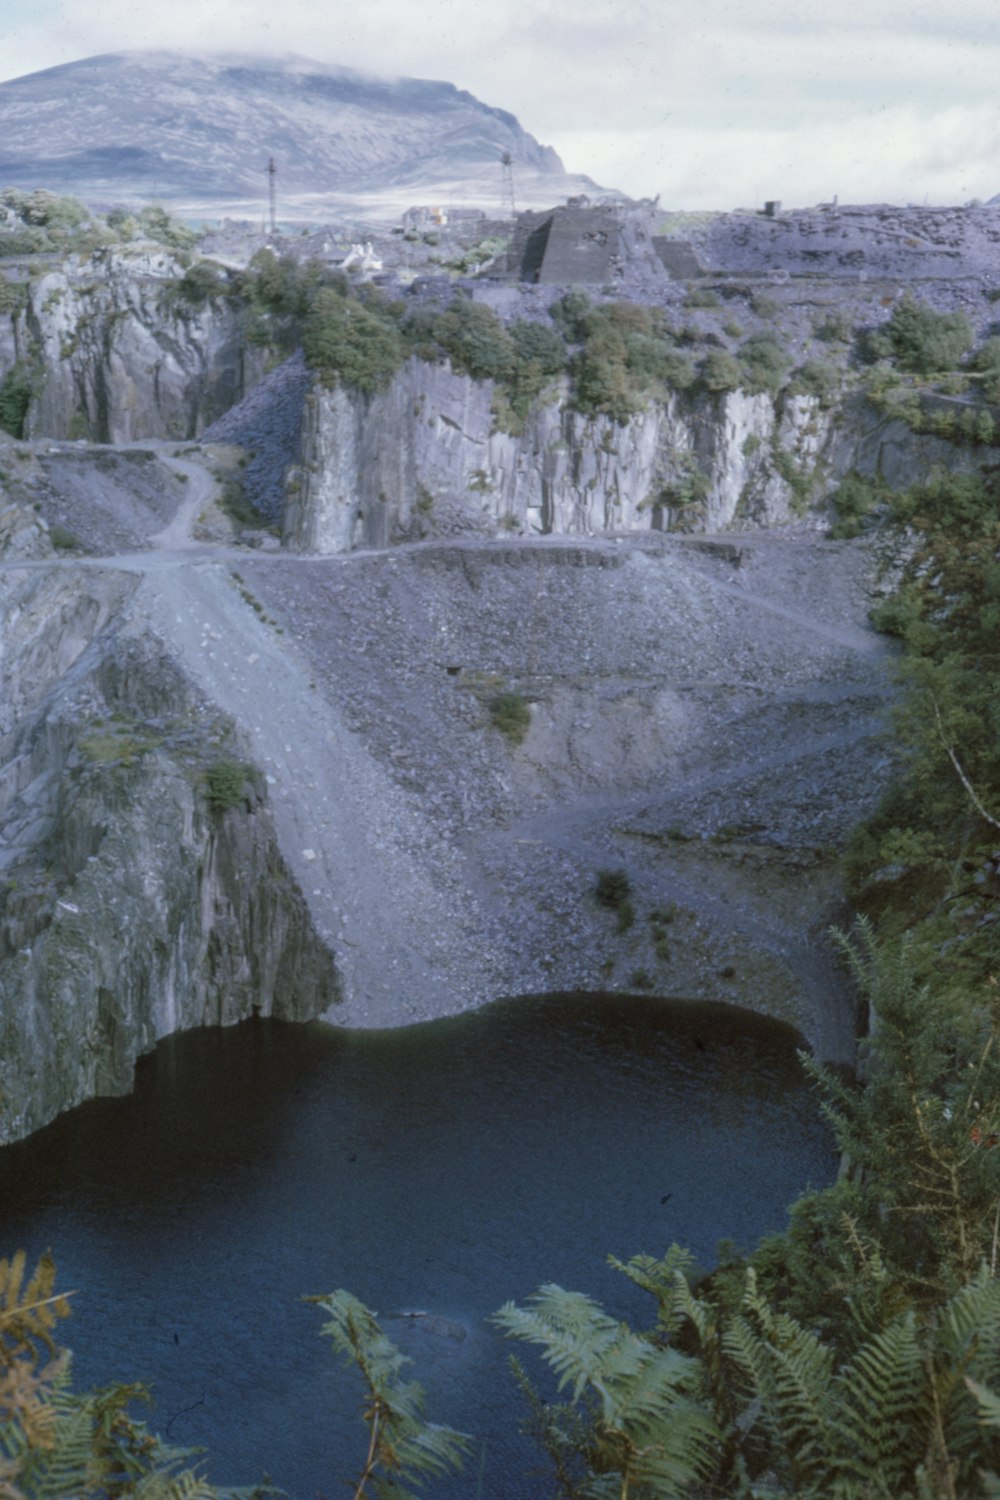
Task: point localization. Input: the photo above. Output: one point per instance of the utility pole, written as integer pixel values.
(271, 173)
(507, 209)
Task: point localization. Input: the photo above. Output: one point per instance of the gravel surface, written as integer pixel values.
(705, 714)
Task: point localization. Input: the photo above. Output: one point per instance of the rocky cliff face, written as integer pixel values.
(424, 459)
(130, 908)
(114, 354)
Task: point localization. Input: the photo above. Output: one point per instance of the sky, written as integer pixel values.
(709, 103)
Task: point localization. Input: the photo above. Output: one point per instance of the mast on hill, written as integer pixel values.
(507, 209)
(272, 172)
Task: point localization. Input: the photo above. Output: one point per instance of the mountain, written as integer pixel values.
(197, 131)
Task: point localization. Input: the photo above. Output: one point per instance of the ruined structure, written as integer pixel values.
(569, 246)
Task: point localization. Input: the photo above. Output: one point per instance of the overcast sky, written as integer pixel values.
(709, 103)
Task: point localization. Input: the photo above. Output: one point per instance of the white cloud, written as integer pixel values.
(710, 101)
(899, 155)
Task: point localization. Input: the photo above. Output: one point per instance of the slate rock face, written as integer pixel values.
(123, 357)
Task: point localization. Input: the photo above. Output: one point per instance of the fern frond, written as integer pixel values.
(988, 1402)
(971, 1321)
(28, 1311)
(650, 1430)
(789, 1372)
(881, 1406)
(578, 1339)
(663, 1279)
(164, 1484)
(403, 1446)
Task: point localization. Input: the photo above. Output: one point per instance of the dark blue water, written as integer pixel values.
(445, 1167)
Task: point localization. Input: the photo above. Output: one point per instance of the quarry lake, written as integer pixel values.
(446, 1168)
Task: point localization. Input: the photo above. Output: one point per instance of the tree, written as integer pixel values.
(348, 344)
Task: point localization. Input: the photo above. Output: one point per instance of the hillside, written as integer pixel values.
(343, 142)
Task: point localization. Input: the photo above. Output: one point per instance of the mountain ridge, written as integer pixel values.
(208, 124)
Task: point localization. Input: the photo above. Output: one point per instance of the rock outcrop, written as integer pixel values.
(424, 458)
(131, 909)
(115, 353)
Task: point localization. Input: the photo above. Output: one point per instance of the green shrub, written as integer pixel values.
(658, 362)
(691, 486)
(13, 296)
(538, 345)
(612, 889)
(475, 340)
(835, 327)
(23, 242)
(16, 391)
(601, 383)
(799, 480)
(201, 283)
(157, 224)
(510, 713)
(225, 784)
(853, 501)
(921, 340)
(62, 538)
(765, 364)
(765, 306)
(571, 315)
(720, 372)
(817, 377)
(702, 296)
(986, 362)
(348, 343)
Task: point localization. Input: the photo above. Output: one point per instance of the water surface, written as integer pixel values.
(445, 1167)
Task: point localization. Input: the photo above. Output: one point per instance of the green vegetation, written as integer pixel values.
(201, 283)
(45, 223)
(702, 296)
(921, 340)
(16, 391)
(819, 378)
(234, 503)
(986, 363)
(509, 712)
(348, 342)
(614, 891)
(799, 480)
(403, 1447)
(56, 1444)
(720, 372)
(226, 783)
(854, 500)
(835, 327)
(765, 364)
(62, 538)
(13, 295)
(122, 741)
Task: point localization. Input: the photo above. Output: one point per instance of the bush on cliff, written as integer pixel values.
(16, 390)
(720, 372)
(350, 343)
(475, 340)
(921, 340)
(765, 364)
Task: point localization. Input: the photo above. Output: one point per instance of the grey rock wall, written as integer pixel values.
(129, 909)
(423, 459)
(118, 356)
